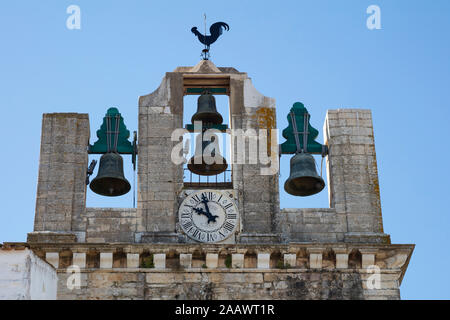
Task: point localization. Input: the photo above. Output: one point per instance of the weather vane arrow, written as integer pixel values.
(215, 31)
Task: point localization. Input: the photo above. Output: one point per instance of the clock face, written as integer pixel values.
(208, 216)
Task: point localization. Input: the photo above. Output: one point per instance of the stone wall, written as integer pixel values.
(24, 276)
(61, 192)
(228, 284)
(246, 271)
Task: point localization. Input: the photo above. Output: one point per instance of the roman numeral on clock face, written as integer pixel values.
(231, 216)
(187, 225)
(228, 206)
(228, 226)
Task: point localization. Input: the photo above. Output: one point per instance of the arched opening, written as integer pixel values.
(92, 259)
(173, 260)
(302, 259)
(328, 259)
(250, 259)
(276, 260)
(355, 259)
(146, 260)
(65, 258)
(119, 259)
(198, 259)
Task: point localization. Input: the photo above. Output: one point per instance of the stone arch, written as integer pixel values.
(173, 260)
(302, 259)
(146, 259)
(224, 259)
(65, 258)
(250, 259)
(276, 260)
(92, 259)
(119, 259)
(198, 259)
(328, 259)
(355, 259)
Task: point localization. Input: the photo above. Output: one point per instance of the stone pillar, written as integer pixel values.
(352, 173)
(341, 258)
(212, 260)
(237, 260)
(256, 182)
(263, 261)
(367, 257)
(186, 260)
(132, 260)
(52, 258)
(290, 259)
(61, 191)
(159, 179)
(159, 260)
(315, 258)
(79, 259)
(106, 260)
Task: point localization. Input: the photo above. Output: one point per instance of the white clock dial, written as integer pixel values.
(208, 216)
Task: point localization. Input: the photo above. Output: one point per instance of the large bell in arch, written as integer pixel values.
(110, 180)
(303, 180)
(206, 110)
(207, 160)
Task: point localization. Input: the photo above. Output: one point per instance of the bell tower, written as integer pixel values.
(209, 238)
(160, 183)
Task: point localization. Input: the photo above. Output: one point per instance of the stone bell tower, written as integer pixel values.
(216, 239)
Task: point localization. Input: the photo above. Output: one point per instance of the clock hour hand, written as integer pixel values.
(211, 218)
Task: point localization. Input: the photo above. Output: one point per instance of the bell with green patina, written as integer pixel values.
(110, 180)
(207, 111)
(303, 180)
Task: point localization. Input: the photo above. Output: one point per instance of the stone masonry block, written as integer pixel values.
(212, 260)
(159, 260)
(237, 260)
(106, 260)
(52, 258)
(263, 261)
(368, 259)
(341, 259)
(79, 259)
(186, 260)
(290, 259)
(132, 260)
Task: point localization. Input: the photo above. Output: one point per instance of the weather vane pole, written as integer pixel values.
(215, 31)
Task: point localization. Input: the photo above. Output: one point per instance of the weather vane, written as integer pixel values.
(215, 31)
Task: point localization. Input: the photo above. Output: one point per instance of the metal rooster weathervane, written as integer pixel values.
(215, 31)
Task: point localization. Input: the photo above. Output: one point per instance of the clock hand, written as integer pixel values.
(200, 212)
(210, 216)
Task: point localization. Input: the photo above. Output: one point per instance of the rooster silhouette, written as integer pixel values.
(216, 30)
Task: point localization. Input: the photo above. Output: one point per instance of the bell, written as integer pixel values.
(207, 163)
(206, 110)
(303, 180)
(110, 180)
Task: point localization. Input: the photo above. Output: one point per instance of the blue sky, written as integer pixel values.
(318, 52)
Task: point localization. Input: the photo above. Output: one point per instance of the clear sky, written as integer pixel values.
(318, 52)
